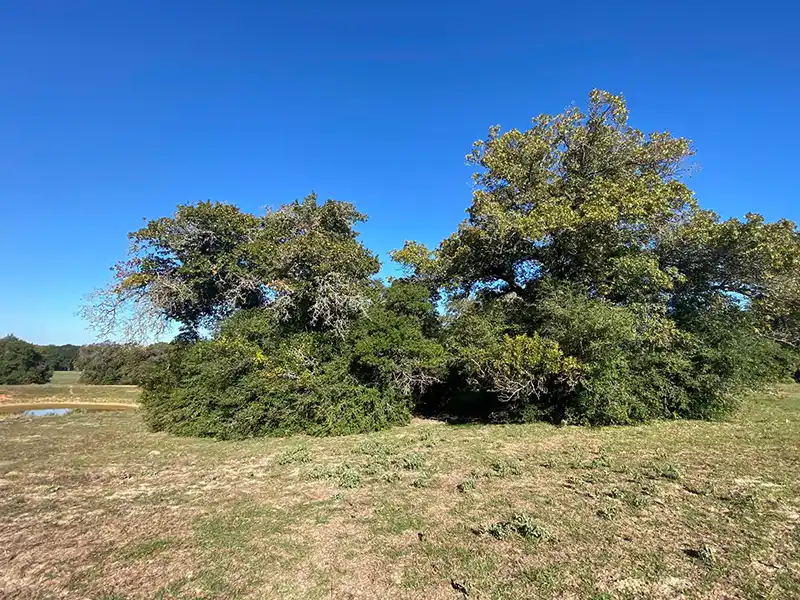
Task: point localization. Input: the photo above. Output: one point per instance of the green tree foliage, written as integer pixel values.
(210, 260)
(119, 364)
(60, 358)
(302, 337)
(587, 285)
(22, 363)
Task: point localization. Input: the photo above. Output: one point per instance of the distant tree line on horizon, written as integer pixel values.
(119, 364)
(106, 363)
(60, 358)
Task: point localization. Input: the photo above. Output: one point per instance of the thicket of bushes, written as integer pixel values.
(585, 286)
(22, 363)
(256, 378)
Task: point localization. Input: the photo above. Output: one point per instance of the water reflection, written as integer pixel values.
(48, 412)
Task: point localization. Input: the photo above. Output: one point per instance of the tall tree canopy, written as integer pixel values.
(579, 197)
(210, 260)
(595, 287)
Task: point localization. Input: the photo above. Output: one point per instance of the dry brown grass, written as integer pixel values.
(93, 506)
(66, 391)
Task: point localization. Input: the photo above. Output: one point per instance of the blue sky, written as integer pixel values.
(111, 112)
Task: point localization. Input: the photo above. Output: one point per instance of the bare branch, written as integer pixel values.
(338, 302)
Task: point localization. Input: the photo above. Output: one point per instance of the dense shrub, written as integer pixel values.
(253, 379)
(226, 389)
(21, 363)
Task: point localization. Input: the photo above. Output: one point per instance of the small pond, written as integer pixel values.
(47, 412)
(56, 409)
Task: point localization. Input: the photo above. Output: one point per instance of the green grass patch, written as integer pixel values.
(144, 549)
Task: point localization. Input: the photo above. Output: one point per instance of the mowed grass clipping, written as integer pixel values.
(94, 506)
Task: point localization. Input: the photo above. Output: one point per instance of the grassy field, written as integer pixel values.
(64, 389)
(65, 377)
(94, 506)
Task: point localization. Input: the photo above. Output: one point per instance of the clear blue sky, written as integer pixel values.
(115, 111)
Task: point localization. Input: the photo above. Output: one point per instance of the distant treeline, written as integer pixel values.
(118, 364)
(60, 358)
(106, 363)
